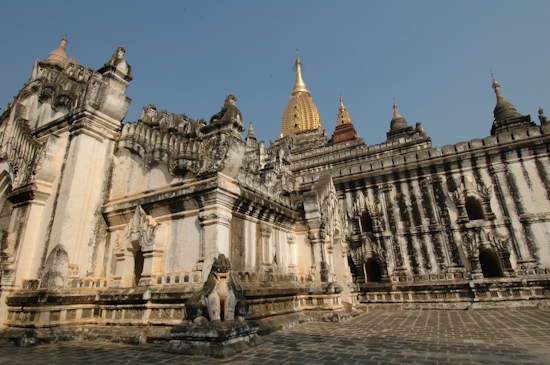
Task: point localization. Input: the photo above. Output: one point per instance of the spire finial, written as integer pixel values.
(496, 86)
(396, 114)
(342, 107)
(504, 109)
(63, 42)
(300, 85)
(251, 131)
(495, 82)
(343, 115)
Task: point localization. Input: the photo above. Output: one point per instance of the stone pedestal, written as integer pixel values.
(344, 133)
(219, 339)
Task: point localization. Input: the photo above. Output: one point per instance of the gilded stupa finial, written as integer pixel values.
(300, 113)
(343, 115)
(300, 85)
(342, 107)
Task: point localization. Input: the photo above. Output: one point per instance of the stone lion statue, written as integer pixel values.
(543, 118)
(119, 63)
(229, 113)
(218, 295)
(420, 130)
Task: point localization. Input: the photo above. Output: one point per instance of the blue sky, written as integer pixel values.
(434, 57)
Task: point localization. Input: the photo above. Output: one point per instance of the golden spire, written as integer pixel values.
(300, 113)
(343, 115)
(300, 85)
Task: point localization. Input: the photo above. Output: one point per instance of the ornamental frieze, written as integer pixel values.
(469, 188)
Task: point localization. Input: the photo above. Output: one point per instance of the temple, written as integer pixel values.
(105, 223)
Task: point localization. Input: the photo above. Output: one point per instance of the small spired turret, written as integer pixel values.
(345, 131)
(398, 126)
(58, 57)
(506, 116)
(251, 140)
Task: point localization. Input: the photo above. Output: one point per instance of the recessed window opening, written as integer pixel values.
(373, 271)
(474, 209)
(490, 264)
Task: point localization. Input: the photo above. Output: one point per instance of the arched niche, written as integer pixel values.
(474, 209)
(490, 264)
(56, 269)
(374, 274)
(366, 222)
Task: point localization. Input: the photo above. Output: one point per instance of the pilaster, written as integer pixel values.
(292, 262)
(384, 195)
(524, 258)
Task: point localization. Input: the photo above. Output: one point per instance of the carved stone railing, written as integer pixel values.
(203, 156)
(154, 145)
(256, 183)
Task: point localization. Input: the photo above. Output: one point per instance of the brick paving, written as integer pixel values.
(375, 337)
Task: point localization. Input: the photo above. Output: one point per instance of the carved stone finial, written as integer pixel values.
(118, 65)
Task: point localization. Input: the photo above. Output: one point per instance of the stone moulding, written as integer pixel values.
(375, 162)
(458, 294)
(141, 307)
(220, 341)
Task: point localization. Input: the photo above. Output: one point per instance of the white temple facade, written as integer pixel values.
(105, 223)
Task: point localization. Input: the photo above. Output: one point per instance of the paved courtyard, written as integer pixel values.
(376, 337)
